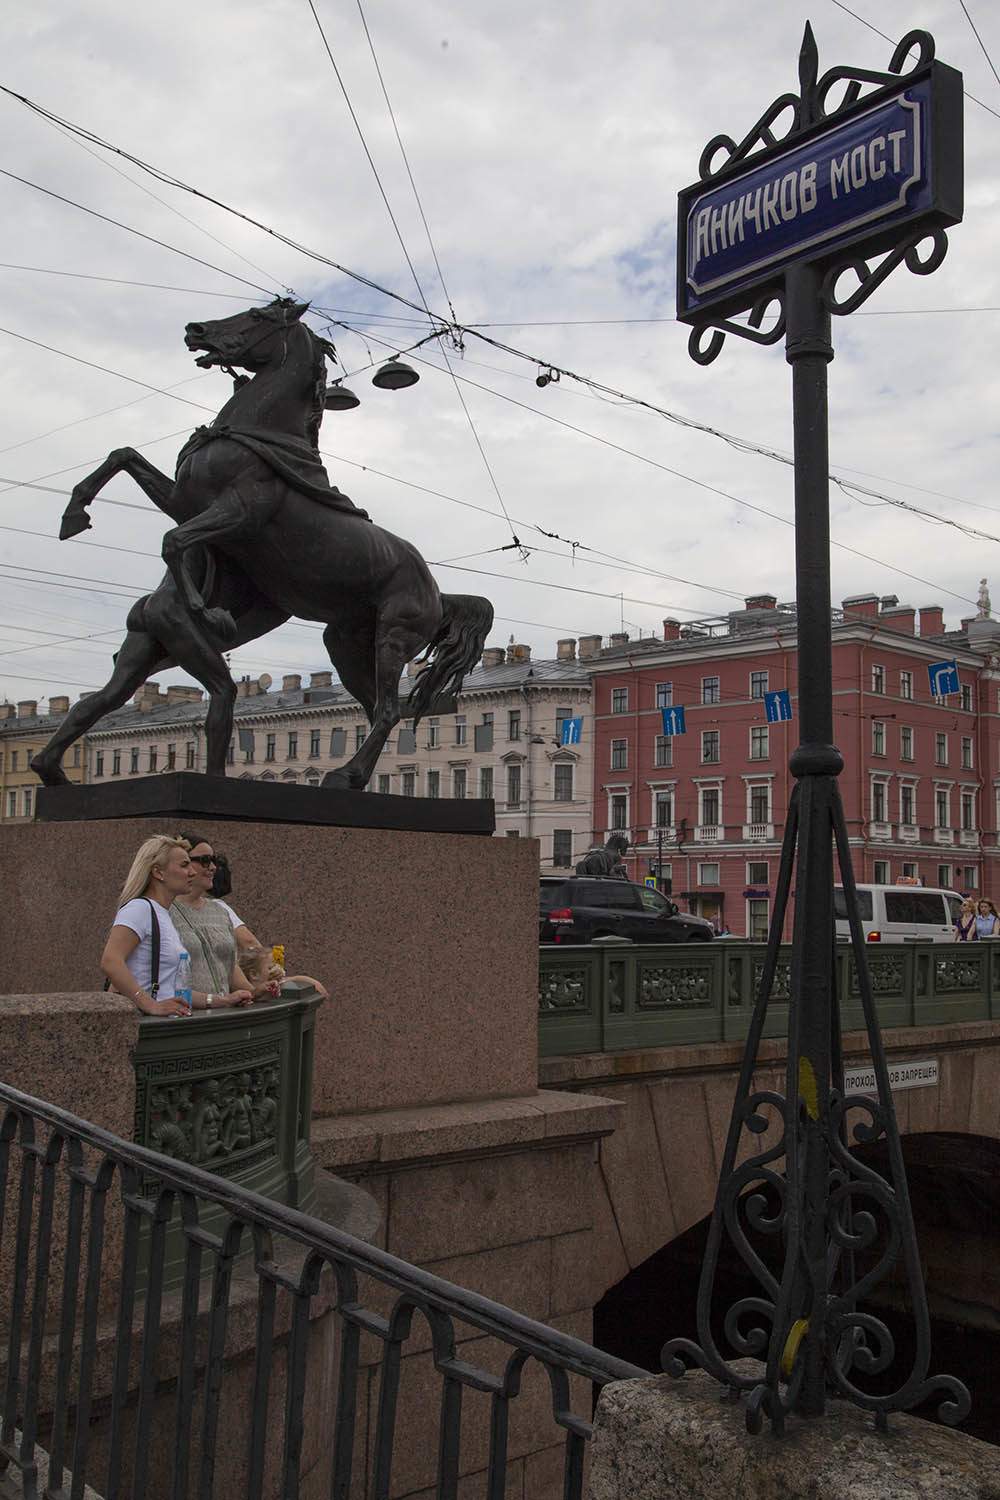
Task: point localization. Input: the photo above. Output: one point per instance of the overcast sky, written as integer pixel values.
(547, 144)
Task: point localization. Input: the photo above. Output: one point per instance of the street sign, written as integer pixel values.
(649, 880)
(673, 721)
(571, 731)
(778, 706)
(888, 166)
(943, 677)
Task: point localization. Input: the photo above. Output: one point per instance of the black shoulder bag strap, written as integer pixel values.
(154, 937)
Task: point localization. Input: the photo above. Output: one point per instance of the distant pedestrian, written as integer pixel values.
(987, 920)
(965, 922)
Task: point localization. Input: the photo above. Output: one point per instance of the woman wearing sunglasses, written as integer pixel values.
(208, 929)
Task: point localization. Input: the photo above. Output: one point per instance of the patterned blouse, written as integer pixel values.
(207, 933)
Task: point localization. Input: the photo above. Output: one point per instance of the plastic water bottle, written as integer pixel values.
(182, 987)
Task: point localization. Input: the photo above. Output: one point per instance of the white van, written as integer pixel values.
(893, 913)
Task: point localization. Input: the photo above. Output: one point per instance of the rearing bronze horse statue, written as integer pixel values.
(262, 535)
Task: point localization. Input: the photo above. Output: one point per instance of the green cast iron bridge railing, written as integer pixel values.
(603, 998)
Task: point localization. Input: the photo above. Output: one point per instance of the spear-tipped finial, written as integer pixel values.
(808, 74)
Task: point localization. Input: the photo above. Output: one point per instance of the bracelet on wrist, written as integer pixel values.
(208, 1001)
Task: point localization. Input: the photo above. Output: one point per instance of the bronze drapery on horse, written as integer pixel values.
(262, 535)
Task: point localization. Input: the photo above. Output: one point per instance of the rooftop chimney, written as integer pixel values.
(292, 683)
(321, 680)
(566, 649)
(58, 705)
(903, 618)
(588, 646)
(620, 638)
(180, 693)
(493, 656)
(671, 630)
(7, 710)
(518, 652)
(27, 708)
(932, 620)
(147, 697)
(861, 607)
(761, 601)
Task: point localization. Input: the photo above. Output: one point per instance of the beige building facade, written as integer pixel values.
(23, 732)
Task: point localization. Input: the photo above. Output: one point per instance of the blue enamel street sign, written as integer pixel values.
(778, 706)
(673, 721)
(943, 676)
(891, 164)
(571, 731)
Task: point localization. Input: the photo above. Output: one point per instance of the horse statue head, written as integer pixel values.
(247, 340)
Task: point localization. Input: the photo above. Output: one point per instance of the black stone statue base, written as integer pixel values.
(179, 794)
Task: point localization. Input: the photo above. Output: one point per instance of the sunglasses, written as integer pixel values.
(203, 859)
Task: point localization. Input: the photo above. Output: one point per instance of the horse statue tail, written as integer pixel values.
(466, 621)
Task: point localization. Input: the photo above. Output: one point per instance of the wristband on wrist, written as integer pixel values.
(208, 1001)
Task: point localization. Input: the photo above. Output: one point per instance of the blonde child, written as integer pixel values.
(259, 967)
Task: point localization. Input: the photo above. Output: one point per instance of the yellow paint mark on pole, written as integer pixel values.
(796, 1334)
(807, 1087)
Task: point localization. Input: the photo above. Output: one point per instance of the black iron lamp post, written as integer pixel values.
(778, 225)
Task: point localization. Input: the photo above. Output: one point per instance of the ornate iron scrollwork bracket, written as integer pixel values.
(789, 1178)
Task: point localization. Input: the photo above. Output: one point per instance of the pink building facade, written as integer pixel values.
(706, 808)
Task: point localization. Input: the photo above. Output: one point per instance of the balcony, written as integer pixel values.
(944, 835)
(882, 831)
(708, 833)
(969, 838)
(758, 833)
(908, 833)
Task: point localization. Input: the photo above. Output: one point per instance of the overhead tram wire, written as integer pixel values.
(893, 41)
(416, 280)
(979, 39)
(442, 327)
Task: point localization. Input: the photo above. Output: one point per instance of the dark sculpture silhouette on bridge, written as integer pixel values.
(262, 535)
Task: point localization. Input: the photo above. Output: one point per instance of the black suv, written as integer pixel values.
(578, 908)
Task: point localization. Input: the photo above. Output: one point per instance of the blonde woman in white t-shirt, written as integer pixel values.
(161, 871)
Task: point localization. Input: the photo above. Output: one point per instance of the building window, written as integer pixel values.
(906, 800)
(461, 730)
(663, 809)
(270, 745)
(970, 878)
(905, 744)
(433, 733)
(433, 783)
(513, 786)
(878, 737)
(910, 871)
(760, 742)
(562, 848)
(878, 801)
(514, 724)
(459, 781)
(906, 684)
(944, 876)
(665, 695)
(152, 758)
(483, 734)
(968, 811)
(619, 700)
(881, 871)
(99, 763)
(619, 755)
(708, 874)
(710, 747)
(710, 690)
(942, 810)
(116, 763)
(406, 740)
(967, 698)
(26, 800)
(360, 735)
(314, 744)
(12, 804)
(878, 679)
(293, 742)
(562, 783)
(760, 804)
(189, 755)
(76, 755)
(758, 918)
(941, 749)
(619, 810)
(408, 783)
(486, 781)
(13, 759)
(757, 872)
(133, 764)
(663, 750)
(708, 800)
(171, 757)
(758, 684)
(231, 753)
(966, 752)
(513, 833)
(382, 782)
(338, 742)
